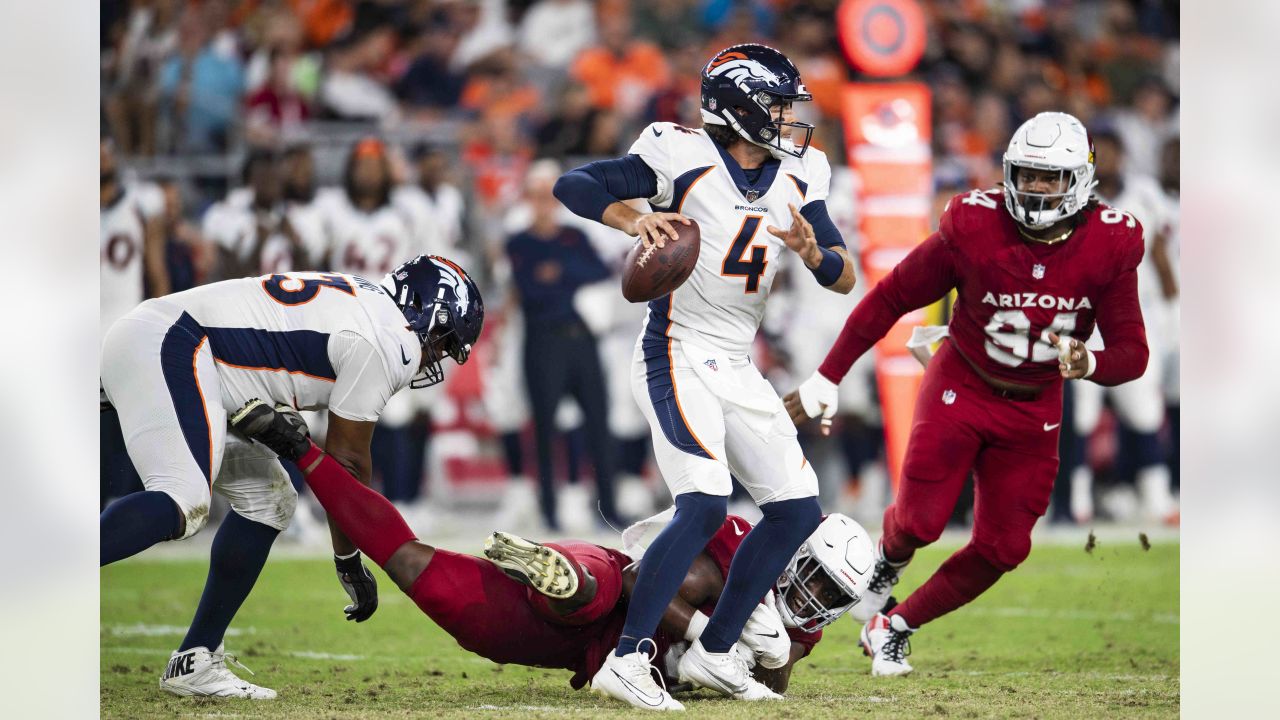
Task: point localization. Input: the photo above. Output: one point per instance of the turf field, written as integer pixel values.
(1070, 634)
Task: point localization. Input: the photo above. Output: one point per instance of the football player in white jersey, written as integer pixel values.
(255, 230)
(746, 175)
(176, 366)
(434, 206)
(367, 234)
(129, 240)
(1140, 403)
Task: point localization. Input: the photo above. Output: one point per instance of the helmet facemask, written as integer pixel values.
(438, 340)
(1038, 211)
(811, 613)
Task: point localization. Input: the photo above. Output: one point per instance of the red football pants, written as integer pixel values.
(494, 616)
(962, 425)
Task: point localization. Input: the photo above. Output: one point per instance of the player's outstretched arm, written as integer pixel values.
(348, 442)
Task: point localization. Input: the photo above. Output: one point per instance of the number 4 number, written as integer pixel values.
(737, 264)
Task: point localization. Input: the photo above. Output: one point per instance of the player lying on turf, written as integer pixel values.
(563, 605)
(1033, 276)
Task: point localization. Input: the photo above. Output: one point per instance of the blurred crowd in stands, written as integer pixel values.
(261, 136)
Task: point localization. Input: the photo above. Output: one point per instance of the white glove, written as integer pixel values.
(766, 636)
(819, 396)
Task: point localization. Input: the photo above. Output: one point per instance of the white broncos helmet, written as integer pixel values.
(1049, 141)
(842, 549)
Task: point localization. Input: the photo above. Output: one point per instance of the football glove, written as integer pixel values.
(766, 636)
(360, 585)
(281, 428)
(819, 396)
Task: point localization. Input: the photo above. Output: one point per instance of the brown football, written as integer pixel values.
(654, 272)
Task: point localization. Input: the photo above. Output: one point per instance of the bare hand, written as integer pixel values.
(656, 228)
(799, 238)
(1073, 358)
(791, 401)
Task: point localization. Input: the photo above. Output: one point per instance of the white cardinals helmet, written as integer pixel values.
(1051, 141)
(842, 550)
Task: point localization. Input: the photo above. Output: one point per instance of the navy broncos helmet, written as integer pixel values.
(747, 88)
(443, 306)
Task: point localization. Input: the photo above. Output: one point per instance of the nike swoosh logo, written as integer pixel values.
(402, 355)
(651, 700)
(656, 133)
(735, 528)
(774, 635)
(1048, 427)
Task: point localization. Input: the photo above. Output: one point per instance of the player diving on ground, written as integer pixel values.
(563, 605)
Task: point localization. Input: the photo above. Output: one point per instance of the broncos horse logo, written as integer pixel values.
(739, 68)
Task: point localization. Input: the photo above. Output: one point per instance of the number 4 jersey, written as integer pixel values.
(1012, 293)
(721, 304)
(309, 340)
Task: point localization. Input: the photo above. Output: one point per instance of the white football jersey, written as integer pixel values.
(1142, 197)
(309, 340)
(436, 218)
(232, 224)
(368, 244)
(121, 242)
(722, 303)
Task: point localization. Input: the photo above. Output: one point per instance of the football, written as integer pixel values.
(653, 272)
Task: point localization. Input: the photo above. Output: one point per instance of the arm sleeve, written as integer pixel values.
(1120, 323)
(923, 276)
(589, 189)
(362, 387)
(823, 228)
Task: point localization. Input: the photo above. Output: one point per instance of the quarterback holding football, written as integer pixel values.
(745, 175)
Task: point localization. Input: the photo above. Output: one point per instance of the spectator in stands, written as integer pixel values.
(549, 263)
(200, 87)
(431, 84)
(621, 73)
(553, 32)
(355, 83)
(140, 43)
(571, 130)
(670, 24)
(276, 107)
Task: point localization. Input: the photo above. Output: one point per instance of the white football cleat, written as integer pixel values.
(726, 673)
(538, 566)
(630, 679)
(200, 673)
(877, 593)
(885, 640)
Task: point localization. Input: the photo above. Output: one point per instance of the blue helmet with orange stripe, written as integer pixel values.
(442, 305)
(749, 88)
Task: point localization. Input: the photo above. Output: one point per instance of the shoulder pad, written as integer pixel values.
(970, 210)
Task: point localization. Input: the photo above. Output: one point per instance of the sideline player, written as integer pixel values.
(710, 411)
(175, 366)
(563, 605)
(1033, 279)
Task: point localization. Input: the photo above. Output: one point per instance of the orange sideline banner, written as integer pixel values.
(887, 137)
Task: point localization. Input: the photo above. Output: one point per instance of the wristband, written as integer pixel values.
(830, 269)
(1093, 363)
(336, 556)
(697, 624)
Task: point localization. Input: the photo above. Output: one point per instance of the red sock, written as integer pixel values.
(369, 519)
(963, 577)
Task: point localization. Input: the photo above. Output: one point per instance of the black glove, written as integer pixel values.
(280, 428)
(360, 586)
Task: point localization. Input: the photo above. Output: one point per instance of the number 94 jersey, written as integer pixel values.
(722, 303)
(1013, 293)
(309, 340)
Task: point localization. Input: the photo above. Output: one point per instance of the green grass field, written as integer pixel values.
(1068, 635)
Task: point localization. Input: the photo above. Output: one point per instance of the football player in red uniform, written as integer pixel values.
(563, 605)
(1033, 281)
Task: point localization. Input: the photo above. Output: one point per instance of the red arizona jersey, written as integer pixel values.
(1014, 292)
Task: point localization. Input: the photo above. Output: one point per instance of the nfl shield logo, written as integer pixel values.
(1037, 271)
(948, 397)
(752, 195)
(712, 364)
